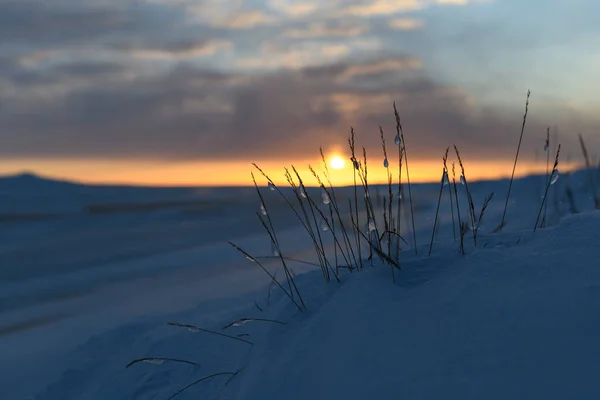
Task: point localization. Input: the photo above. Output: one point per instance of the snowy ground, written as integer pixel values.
(90, 277)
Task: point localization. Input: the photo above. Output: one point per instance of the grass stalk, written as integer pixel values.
(403, 143)
(307, 227)
(447, 182)
(328, 199)
(484, 207)
(472, 217)
(355, 168)
(194, 328)
(273, 279)
(243, 321)
(437, 211)
(547, 150)
(460, 223)
(390, 217)
(334, 204)
(231, 374)
(554, 169)
(159, 360)
(512, 177)
(399, 194)
(312, 207)
(273, 236)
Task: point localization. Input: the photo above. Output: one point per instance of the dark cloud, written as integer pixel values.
(47, 23)
(145, 80)
(198, 114)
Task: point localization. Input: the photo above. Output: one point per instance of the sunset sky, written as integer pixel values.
(193, 91)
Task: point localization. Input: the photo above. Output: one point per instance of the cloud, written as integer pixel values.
(204, 79)
(329, 29)
(180, 51)
(22, 22)
(196, 114)
(384, 7)
(405, 23)
(277, 55)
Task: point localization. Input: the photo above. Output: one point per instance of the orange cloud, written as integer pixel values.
(382, 66)
(405, 23)
(320, 29)
(298, 57)
(382, 7)
(294, 8)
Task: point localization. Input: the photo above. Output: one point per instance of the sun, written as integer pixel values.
(337, 162)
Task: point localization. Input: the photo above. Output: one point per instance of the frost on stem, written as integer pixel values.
(554, 177)
(325, 196)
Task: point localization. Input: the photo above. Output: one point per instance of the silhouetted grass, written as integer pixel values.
(437, 210)
(554, 170)
(460, 223)
(403, 144)
(512, 176)
(463, 180)
(231, 374)
(193, 328)
(355, 168)
(159, 360)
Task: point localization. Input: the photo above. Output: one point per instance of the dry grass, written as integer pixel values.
(548, 184)
(512, 177)
(437, 210)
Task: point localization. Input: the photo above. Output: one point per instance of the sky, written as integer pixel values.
(193, 91)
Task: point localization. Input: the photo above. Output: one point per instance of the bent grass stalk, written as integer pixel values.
(159, 360)
(288, 273)
(332, 208)
(377, 250)
(194, 328)
(273, 279)
(334, 205)
(306, 222)
(484, 207)
(231, 374)
(243, 321)
(272, 235)
(312, 207)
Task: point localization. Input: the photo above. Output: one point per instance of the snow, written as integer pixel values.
(85, 290)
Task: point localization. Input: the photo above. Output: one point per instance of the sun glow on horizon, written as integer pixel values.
(337, 162)
(237, 173)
